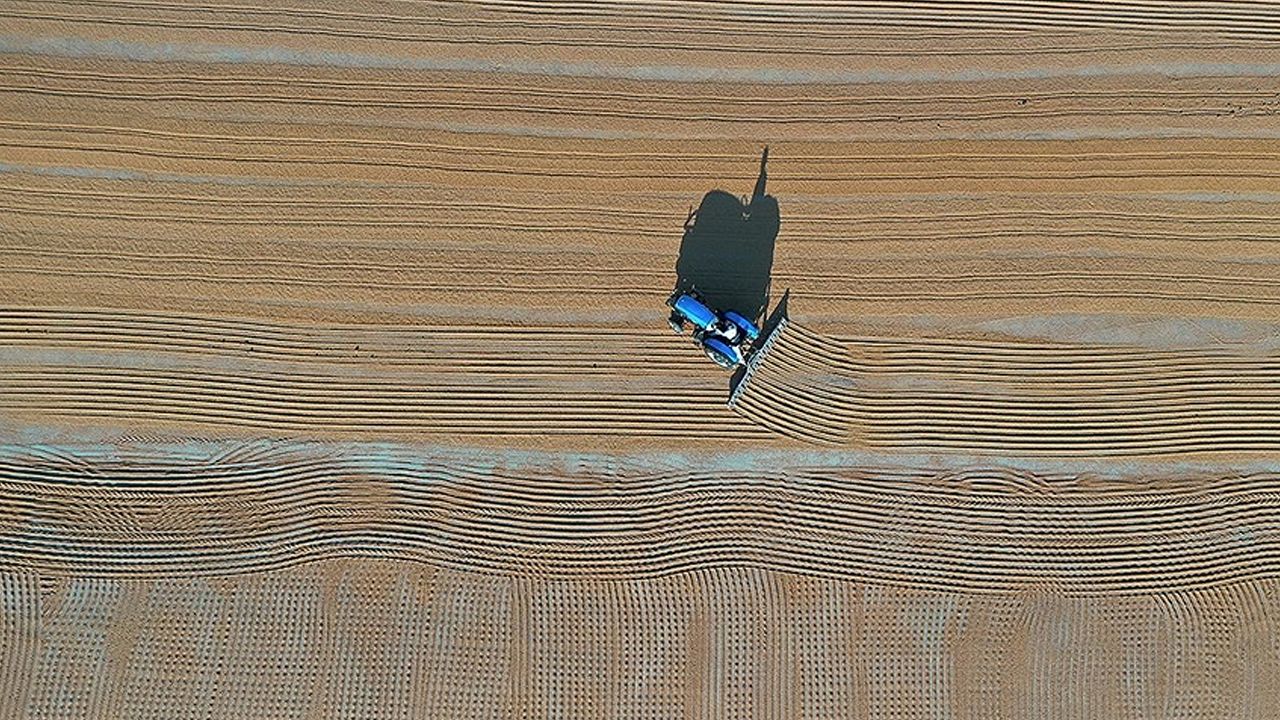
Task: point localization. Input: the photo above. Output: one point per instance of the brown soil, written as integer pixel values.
(334, 377)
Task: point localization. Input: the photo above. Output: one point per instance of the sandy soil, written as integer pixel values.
(221, 191)
(335, 382)
(1011, 398)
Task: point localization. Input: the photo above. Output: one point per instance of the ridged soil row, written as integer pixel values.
(770, 109)
(389, 638)
(792, 389)
(1244, 18)
(435, 380)
(1042, 399)
(315, 184)
(20, 634)
(818, 34)
(93, 514)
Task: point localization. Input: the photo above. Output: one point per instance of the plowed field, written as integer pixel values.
(335, 379)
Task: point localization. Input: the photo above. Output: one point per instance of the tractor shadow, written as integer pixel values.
(727, 250)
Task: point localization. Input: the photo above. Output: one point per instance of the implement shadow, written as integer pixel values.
(727, 250)
(770, 324)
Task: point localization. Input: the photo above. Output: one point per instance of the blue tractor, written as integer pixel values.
(725, 337)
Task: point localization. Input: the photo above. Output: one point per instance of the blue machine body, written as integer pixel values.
(724, 337)
(697, 313)
(729, 356)
(746, 326)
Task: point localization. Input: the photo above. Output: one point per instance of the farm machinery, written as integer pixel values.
(725, 337)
